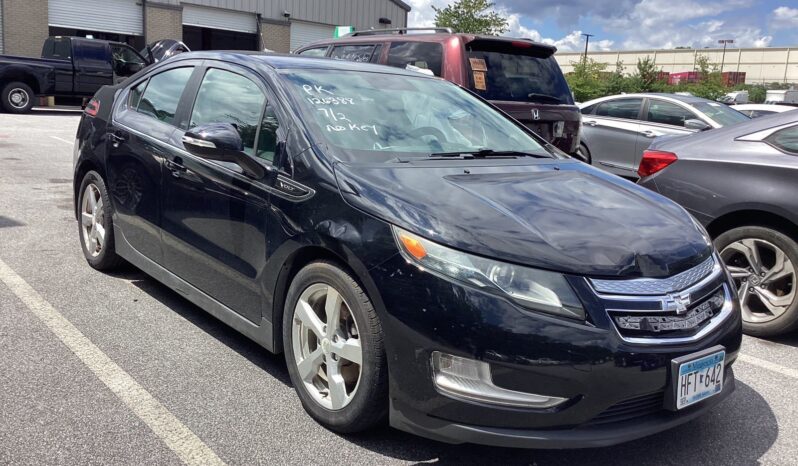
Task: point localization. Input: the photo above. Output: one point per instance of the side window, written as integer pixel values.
(757, 113)
(785, 139)
(317, 52)
(375, 55)
(359, 53)
(134, 96)
(267, 136)
(588, 110)
(162, 94)
(668, 113)
(62, 49)
(227, 97)
(620, 108)
(426, 55)
(126, 61)
(93, 53)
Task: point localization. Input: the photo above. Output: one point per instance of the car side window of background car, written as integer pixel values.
(317, 52)
(424, 55)
(667, 113)
(162, 94)
(358, 53)
(620, 108)
(588, 110)
(227, 97)
(785, 139)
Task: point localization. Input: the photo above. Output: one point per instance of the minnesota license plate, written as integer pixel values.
(699, 376)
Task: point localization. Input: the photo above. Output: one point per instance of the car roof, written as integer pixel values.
(281, 61)
(687, 99)
(438, 37)
(765, 107)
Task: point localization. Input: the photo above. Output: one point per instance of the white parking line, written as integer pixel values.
(188, 447)
(768, 365)
(71, 143)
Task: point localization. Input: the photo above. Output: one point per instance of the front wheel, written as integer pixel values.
(17, 97)
(334, 349)
(582, 153)
(763, 264)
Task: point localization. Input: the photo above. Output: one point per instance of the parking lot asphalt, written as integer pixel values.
(118, 369)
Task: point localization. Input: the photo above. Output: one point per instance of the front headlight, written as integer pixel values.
(532, 288)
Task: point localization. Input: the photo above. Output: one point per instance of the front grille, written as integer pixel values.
(655, 286)
(632, 408)
(670, 324)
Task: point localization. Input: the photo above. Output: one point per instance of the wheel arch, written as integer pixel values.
(84, 166)
(752, 217)
(23, 76)
(301, 257)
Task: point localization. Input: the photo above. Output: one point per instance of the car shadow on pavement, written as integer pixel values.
(738, 431)
(790, 339)
(274, 364)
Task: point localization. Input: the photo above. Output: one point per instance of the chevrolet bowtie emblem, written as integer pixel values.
(676, 302)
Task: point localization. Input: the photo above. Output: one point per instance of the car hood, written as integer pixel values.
(556, 215)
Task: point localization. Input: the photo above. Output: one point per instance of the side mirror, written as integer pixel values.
(222, 142)
(696, 124)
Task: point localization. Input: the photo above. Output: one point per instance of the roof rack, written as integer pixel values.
(375, 32)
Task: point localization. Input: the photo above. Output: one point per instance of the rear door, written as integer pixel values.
(92, 61)
(610, 133)
(660, 118)
(138, 137)
(215, 217)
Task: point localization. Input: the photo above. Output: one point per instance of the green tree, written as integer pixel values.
(710, 84)
(471, 16)
(647, 76)
(586, 81)
(617, 82)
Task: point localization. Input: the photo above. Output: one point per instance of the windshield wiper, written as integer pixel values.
(482, 153)
(544, 97)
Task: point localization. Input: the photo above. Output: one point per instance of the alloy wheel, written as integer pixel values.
(326, 344)
(765, 278)
(18, 98)
(92, 220)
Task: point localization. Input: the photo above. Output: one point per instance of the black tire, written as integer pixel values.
(582, 153)
(15, 88)
(369, 404)
(106, 259)
(787, 321)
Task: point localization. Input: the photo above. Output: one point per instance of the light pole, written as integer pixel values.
(587, 41)
(723, 57)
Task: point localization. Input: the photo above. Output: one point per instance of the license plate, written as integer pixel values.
(699, 376)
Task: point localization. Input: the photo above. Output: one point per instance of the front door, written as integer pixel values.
(214, 217)
(143, 122)
(611, 134)
(661, 118)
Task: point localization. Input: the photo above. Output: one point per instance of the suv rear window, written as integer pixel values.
(516, 71)
(426, 55)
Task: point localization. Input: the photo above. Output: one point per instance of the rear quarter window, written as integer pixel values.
(785, 139)
(314, 52)
(425, 55)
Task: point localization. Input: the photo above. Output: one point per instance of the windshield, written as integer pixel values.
(720, 113)
(516, 71)
(373, 116)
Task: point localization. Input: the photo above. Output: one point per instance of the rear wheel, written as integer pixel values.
(763, 263)
(582, 153)
(95, 224)
(334, 349)
(17, 97)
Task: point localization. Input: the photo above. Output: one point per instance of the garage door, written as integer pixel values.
(116, 16)
(215, 18)
(305, 33)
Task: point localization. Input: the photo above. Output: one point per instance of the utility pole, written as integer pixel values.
(723, 57)
(587, 41)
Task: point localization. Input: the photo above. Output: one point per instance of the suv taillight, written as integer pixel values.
(654, 161)
(92, 107)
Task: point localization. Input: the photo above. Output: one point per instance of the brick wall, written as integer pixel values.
(24, 27)
(163, 22)
(276, 36)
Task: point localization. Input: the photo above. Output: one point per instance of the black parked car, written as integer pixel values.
(741, 182)
(73, 67)
(417, 254)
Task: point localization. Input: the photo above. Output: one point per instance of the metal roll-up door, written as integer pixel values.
(115, 16)
(216, 18)
(305, 33)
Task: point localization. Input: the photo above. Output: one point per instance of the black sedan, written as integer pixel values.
(741, 182)
(416, 254)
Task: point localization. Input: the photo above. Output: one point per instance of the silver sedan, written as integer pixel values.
(617, 129)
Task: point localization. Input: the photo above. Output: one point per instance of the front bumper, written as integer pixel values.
(604, 377)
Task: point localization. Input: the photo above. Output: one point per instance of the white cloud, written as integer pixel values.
(784, 17)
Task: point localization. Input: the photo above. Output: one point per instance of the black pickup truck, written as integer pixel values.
(73, 67)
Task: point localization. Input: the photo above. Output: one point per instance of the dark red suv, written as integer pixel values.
(519, 76)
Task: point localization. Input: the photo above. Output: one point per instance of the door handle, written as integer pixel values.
(649, 134)
(590, 122)
(176, 167)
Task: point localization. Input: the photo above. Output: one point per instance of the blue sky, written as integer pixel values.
(641, 24)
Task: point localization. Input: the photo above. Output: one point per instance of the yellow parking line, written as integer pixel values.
(179, 438)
